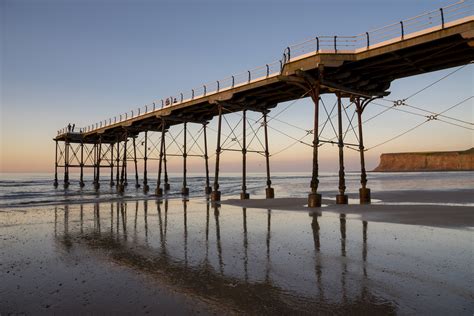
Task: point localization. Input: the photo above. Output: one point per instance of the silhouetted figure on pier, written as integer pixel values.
(69, 127)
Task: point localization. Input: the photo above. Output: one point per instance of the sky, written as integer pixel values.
(83, 61)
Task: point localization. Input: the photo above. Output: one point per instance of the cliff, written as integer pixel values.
(427, 161)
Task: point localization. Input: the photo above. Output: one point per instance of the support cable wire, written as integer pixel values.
(330, 121)
(328, 118)
(173, 140)
(429, 118)
(195, 142)
(350, 124)
(398, 136)
(445, 116)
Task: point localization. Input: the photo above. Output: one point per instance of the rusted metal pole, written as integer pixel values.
(216, 194)
(112, 164)
(124, 165)
(166, 185)
(244, 195)
(208, 188)
(364, 192)
(269, 191)
(81, 176)
(117, 161)
(314, 198)
(94, 157)
(146, 188)
(66, 164)
(99, 159)
(137, 185)
(185, 189)
(56, 166)
(341, 198)
(159, 191)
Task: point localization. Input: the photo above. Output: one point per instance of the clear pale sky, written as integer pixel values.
(84, 61)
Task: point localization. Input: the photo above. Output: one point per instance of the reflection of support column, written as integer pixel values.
(364, 192)
(66, 164)
(269, 191)
(314, 198)
(56, 221)
(137, 185)
(185, 213)
(185, 189)
(218, 240)
(269, 222)
(117, 161)
(99, 160)
(111, 219)
(341, 198)
(66, 220)
(364, 246)
(246, 245)
(97, 210)
(159, 190)
(244, 195)
(208, 188)
(81, 218)
(317, 245)
(123, 211)
(81, 176)
(146, 187)
(165, 162)
(160, 224)
(216, 194)
(342, 220)
(207, 231)
(145, 211)
(112, 164)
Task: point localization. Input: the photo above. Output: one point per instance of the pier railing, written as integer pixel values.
(405, 29)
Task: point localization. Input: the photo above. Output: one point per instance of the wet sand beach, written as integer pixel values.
(267, 257)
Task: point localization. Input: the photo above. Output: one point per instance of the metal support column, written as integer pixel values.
(314, 198)
(166, 185)
(99, 160)
(81, 176)
(216, 194)
(146, 188)
(94, 166)
(208, 188)
(66, 164)
(112, 164)
(244, 195)
(341, 198)
(159, 191)
(124, 165)
(364, 192)
(137, 185)
(117, 161)
(269, 191)
(56, 166)
(185, 189)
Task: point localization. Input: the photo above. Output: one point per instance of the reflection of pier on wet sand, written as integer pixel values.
(255, 261)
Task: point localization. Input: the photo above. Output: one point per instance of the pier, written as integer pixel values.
(356, 69)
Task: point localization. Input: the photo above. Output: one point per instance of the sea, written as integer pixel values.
(36, 189)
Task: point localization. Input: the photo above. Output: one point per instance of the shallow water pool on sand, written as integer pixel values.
(191, 256)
